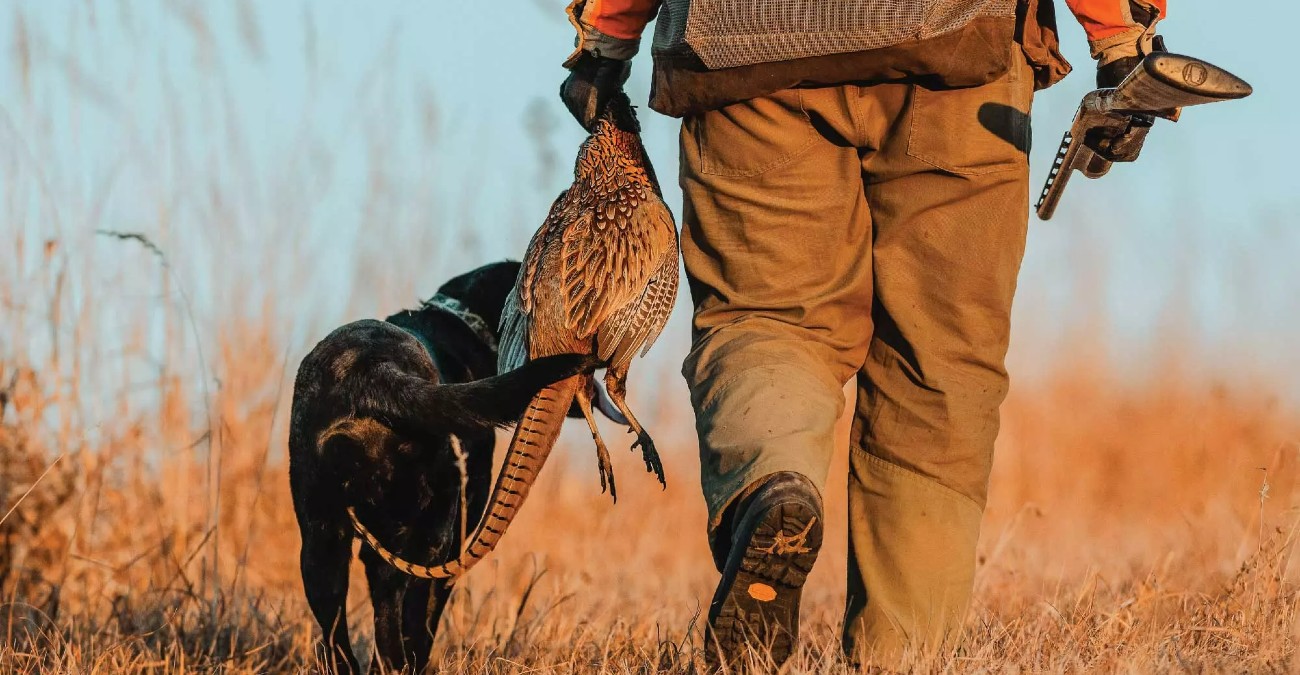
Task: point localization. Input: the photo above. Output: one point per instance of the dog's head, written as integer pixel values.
(483, 290)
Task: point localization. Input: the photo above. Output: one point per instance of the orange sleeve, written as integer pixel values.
(1107, 18)
(621, 19)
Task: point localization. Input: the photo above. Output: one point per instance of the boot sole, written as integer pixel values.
(760, 606)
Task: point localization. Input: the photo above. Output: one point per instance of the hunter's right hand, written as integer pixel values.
(1117, 56)
(592, 82)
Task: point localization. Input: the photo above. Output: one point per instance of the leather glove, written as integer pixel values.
(592, 82)
(1111, 74)
(1117, 58)
(1112, 69)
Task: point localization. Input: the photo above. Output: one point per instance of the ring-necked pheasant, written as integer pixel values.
(599, 277)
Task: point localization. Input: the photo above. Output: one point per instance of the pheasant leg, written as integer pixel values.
(602, 453)
(616, 387)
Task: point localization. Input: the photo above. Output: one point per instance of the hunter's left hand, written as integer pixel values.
(592, 82)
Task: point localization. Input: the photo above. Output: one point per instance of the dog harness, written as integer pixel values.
(458, 309)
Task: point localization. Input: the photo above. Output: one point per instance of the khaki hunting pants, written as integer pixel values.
(868, 232)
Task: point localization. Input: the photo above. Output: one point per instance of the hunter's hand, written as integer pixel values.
(592, 82)
(1118, 56)
(1111, 74)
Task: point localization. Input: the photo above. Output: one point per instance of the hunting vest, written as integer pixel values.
(710, 53)
(730, 33)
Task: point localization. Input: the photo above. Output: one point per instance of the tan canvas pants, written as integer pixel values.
(872, 232)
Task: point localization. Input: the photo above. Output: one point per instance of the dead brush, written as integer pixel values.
(36, 487)
(1142, 553)
(1146, 548)
(160, 632)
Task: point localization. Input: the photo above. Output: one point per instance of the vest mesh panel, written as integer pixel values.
(729, 33)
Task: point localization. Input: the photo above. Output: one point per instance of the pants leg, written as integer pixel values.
(948, 191)
(792, 263)
(776, 243)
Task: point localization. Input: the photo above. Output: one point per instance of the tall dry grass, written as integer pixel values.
(1137, 523)
(1136, 529)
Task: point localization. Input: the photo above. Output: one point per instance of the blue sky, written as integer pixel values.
(302, 112)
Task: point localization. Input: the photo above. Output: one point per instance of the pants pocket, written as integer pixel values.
(974, 130)
(752, 137)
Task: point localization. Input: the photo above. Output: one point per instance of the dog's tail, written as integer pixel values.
(531, 445)
(406, 401)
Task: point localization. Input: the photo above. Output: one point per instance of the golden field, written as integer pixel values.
(1133, 527)
(1142, 517)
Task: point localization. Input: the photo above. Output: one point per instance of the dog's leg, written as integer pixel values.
(418, 627)
(602, 453)
(326, 553)
(387, 585)
(616, 386)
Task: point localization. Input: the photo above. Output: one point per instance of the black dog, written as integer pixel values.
(377, 425)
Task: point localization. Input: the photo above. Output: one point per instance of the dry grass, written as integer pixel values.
(1138, 522)
(1138, 529)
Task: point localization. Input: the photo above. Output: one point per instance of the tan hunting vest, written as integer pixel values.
(709, 53)
(730, 33)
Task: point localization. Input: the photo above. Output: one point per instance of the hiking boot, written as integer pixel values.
(765, 546)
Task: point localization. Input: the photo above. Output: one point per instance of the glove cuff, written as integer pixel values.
(1130, 43)
(1135, 41)
(594, 42)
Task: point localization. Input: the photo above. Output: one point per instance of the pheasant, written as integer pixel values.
(599, 277)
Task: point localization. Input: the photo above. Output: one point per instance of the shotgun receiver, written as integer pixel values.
(1112, 124)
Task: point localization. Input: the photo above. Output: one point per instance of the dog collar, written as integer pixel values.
(458, 309)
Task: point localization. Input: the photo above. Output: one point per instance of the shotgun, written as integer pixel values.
(1112, 124)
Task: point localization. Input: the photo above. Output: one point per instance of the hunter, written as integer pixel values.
(856, 186)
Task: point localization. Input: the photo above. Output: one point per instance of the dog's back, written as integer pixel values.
(350, 408)
(376, 427)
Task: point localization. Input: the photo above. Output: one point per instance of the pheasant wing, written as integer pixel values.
(660, 304)
(635, 328)
(512, 349)
(609, 255)
(530, 273)
(518, 313)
